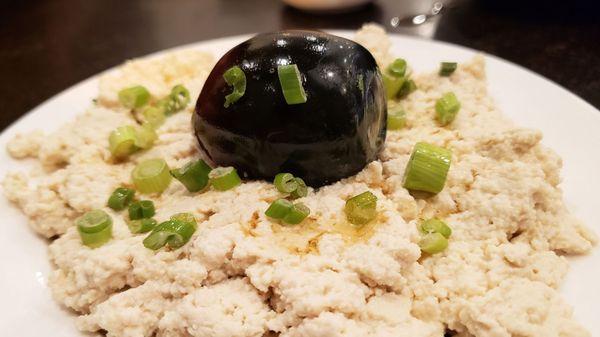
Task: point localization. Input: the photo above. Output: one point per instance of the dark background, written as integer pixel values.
(47, 46)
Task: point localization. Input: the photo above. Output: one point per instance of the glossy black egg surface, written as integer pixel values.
(339, 129)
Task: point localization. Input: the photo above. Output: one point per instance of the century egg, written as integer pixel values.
(339, 129)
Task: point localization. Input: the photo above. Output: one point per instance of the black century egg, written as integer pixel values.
(338, 130)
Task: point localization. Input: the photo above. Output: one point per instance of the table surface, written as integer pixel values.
(48, 46)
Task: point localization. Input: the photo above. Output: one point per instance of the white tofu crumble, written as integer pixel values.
(244, 275)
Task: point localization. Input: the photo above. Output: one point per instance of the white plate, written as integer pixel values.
(570, 125)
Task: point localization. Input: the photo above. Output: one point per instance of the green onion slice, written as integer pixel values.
(279, 209)
(185, 217)
(173, 233)
(193, 175)
(180, 97)
(120, 198)
(427, 168)
(151, 176)
(145, 136)
(141, 210)
(154, 116)
(397, 68)
(447, 68)
(361, 208)
(392, 85)
(296, 214)
(301, 191)
(95, 228)
(433, 243)
(396, 118)
(236, 78)
(446, 108)
(291, 84)
(141, 225)
(285, 182)
(224, 178)
(134, 97)
(435, 225)
(407, 88)
(121, 142)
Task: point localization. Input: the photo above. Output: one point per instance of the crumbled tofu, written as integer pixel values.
(242, 274)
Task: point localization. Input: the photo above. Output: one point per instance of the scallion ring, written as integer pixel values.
(279, 209)
(134, 97)
(427, 168)
(145, 136)
(361, 208)
(301, 191)
(435, 225)
(95, 228)
(180, 97)
(154, 116)
(235, 78)
(433, 243)
(447, 68)
(291, 84)
(120, 198)
(193, 175)
(151, 176)
(141, 225)
(285, 182)
(173, 233)
(392, 85)
(142, 209)
(224, 178)
(296, 214)
(396, 118)
(446, 108)
(397, 68)
(121, 142)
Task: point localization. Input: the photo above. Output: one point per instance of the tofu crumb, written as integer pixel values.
(243, 275)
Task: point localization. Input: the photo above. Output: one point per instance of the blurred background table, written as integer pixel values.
(47, 46)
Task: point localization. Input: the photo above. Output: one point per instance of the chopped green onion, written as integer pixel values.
(397, 68)
(433, 243)
(361, 208)
(284, 210)
(446, 108)
(301, 191)
(224, 178)
(193, 175)
(435, 225)
(296, 214)
(120, 198)
(145, 136)
(134, 97)
(279, 209)
(143, 209)
(151, 176)
(396, 118)
(427, 168)
(285, 182)
(95, 228)
(154, 116)
(236, 78)
(392, 85)
(121, 141)
(177, 100)
(185, 217)
(407, 88)
(141, 225)
(291, 84)
(180, 97)
(173, 233)
(447, 68)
